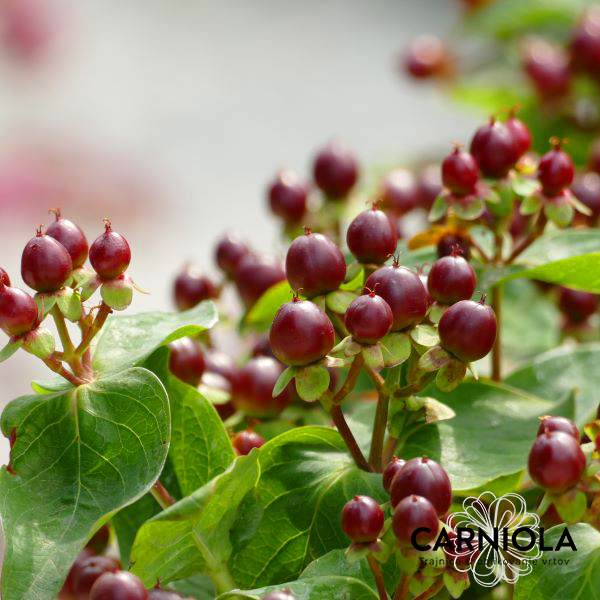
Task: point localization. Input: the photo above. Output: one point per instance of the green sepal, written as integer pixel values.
(436, 312)
(373, 356)
(339, 301)
(408, 561)
(10, 349)
(450, 375)
(312, 382)
(571, 505)
(471, 210)
(525, 187)
(560, 213)
(39, 342)
(69, 303)
(456, 582)
(117, 293)
(282, 381)
(89, 287)
(336, 362)
(356, 552)
(435, 358)
(578, 205)
(425, 335)
(531, 204)
(346, 348)
(395, 348)
(435, 561)
(214, 395)
(353, 270)
(420, 583)
(82, 276)
(439, 208)
(506, 201)
(45, 302)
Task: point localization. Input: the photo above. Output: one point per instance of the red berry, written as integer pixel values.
(585, 42)
(192, 287)
(447, 243)
(45, 263)
(423, 279)
(187, 360)
(412, 513)
(426, 57)
(556, 461)
(548, 69)
(89, 571)
(110, 254)
(4, 278)
(118, 586)
(362, 519)
(18, 311)
(263, 347)
(576, 305)
(399, 192)
(229, 252)
(558, 424)
(287, 197)
(390, 470)
(220, 363)
(161, 594)
(254, 276)
(403, 291)
(594, 157)
(429, 186)
(519, 223)
(468, 330)
(460, 172)
(67, 591)
(368, 318)
(586, 189)
(494, 148)
(335, 171)
(520, 133)
(422, 477)
(244, 441)
(372, 237)
(280, 595)
(99, 541)
(253, 388)
(301, 333)
(555, 171)
(451, 279)
(314, 265)
(71, 237)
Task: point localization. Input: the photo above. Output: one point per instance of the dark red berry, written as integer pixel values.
(45, 263)
(558, 424)
(71, 237)
(362, 519)
(426, 57)
(447, 243)
(372, 237)
(468, 330)
(576, 305)
(586, 189)
(162, 594)
(403, 291)
(390, 470)
(556, 461)
(4, 278)
(253, 388)
(18, 311)
(263, 347)
(187, 360)
(422, 477)
(280, 595)
(555, 171)
(368, 318)
(118, 586)
(398, 192)
(460, 172)
(412, 513)
(519, 224)
(229, 252)
(314, 265)
(287, 197)
(429, 186)
(494, 148)
(451, 279)
(254, 276)
(594, 157)
(67, 592)
(301, 333)
(244, 441)
(423, 279)
(220, 363)
(520, 133)
(99, 541)
(585, 42)
(110, 254)
(89, 571)
(192, 287)
(548, 69)
(335, 171)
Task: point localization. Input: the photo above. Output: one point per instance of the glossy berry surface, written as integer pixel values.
(555, 171)
(576, 305)
(192, 287)
(229, 252)
(390, 471)
(71, 237)
(263, 347)
(447, 243)
(468, 330)
(558, 424)
(110, 254)
(403, 291)
(244, 441)
(18, 311)
(548, 69)
(368, 318)
(220, 363)
(314, 265)
(255, 275)
(335, 171)
(494, 148)
(460, 172)
(520, 133)
(287, 197)
(45, 263)
(4, 278)
(372, 237)
(67, 592)
(118, 586)
(426, 57)
(451, 279)
(301, 333)
(187, 360)
(280, 595)
(89, 571)
(556, 461)
(422, 477)
(410, 514)
(362, 519)
(253, 388)
(398, 192)
(586, 189)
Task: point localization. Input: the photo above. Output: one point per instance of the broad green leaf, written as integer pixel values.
(262, 313)
(198, 587)
(79, 456)
(577, 577)
(127, 341)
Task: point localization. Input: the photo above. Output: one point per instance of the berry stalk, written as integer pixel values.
(94, 328)
(401, 592)
(54, 364)
(497, 308)
(376, 570)
(536, 231)
(161, 495)
(380, 421)
(340, 422)
(431, 591)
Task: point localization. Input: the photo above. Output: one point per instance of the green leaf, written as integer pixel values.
(373, 356)
(339, 301)
(439, 208)
(425, 335)
(9, 350)
(198, 587)
(396, 348)
(127, 341)
(262, 313)
(578, 577)
(312, 382)
(486, 96)
(283, 380)
(79, 456)
(571, 505)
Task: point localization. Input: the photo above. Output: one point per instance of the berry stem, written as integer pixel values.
(63, 332)
(93, 329)
(338, 324)
(379, 427)
(161, 495)
(351, 378)
(497, 308)
(390, 449)
(376, 569)
(534, 234)
(484, 257)
(55, 365)
(340, 422)
(401, 592)
(431, 591)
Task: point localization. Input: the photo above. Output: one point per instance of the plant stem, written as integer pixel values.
(497, 349)
(376, 569)
(55, 365)
(375, 377)
(63, 332)
(161, 495)
(401, 592)
(351, 378)
(431, 591)
(484, 257)
(390, 448)
(94, 328)
(379, 427)
(340, 422)
(534, 234)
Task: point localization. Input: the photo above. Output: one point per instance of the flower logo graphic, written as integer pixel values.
(498, 518)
